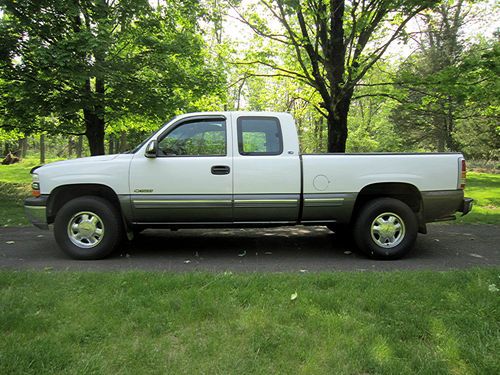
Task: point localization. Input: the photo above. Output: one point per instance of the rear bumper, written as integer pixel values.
(36, 211)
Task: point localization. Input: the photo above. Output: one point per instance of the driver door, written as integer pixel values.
(190, 180)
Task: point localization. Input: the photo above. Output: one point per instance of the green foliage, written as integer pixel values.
(340, 322)
(478, 129)
(10, 135)
(369, 126)
(449, 89)
(126, 63)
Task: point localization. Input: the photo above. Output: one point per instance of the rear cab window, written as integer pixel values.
(259, 136)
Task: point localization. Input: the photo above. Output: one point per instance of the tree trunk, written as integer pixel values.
(111, 149)
(337, 124)
(94, 132)
(24, 147)
(123, 142)
(321, 124)
(42, 148)
(6, 148)
(20, 148)
(450, 126)
(441, 139)
(79, 146)
(71, 144)
(94, 118)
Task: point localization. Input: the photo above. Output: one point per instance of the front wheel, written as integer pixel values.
(386, 229)
(88, 228)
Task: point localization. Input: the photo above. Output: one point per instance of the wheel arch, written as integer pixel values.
(64, 193)
(405, 192)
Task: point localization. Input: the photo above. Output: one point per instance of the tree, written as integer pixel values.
(449, 85)
(91, 63)
(477, 131)
(335, 43)
(431, 79)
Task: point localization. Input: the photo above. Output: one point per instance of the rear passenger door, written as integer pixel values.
(266, 179)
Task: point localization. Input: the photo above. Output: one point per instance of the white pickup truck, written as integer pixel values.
(244, 169)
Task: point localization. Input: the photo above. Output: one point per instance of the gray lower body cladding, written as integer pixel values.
(240, 208)
(328, 207)
(442, 204)
(181, 208)
(271, 209)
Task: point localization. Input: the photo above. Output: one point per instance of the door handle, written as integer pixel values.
(220, 169)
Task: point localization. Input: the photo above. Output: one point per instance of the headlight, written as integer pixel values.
(35, 185)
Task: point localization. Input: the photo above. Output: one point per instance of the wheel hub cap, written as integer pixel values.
(85, 229)
(387, 230)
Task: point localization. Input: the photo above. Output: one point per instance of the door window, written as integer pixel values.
(259, 136)
(195, 138)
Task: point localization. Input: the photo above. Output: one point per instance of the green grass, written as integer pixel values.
(341, 323)
(19, 172)
(15, 179)
(12, 196)
(485, 189)
(15, 183)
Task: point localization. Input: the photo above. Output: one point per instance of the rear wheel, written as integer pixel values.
(386, 229)
(88, 228)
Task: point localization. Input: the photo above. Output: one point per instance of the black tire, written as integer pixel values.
(82, 209)
(385, 214)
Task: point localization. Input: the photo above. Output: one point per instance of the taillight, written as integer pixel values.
(463, 174)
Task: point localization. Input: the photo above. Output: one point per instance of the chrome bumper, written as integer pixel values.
(36, 212)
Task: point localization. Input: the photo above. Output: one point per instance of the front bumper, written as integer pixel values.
(466, 206)
(36, 211)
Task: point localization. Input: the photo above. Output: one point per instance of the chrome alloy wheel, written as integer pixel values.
(86, 229)
(387, 230)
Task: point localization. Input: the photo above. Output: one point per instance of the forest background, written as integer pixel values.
(88, 77)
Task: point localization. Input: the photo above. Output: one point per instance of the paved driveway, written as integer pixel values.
(294, 249)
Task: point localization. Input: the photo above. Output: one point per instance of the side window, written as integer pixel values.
(195, 138)
(259, 136)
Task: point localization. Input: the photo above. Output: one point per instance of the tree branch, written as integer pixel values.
(275, 67)
(381, 50)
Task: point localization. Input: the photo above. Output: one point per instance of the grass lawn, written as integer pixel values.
(18, 173)
(340, 323)
(485, 189)
(15, 180)
(15, 183)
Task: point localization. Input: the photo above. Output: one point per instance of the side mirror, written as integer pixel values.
(151, 149)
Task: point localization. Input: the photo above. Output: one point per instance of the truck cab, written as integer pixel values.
(219, 168)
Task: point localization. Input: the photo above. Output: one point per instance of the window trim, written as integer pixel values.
(240, 136)
(187, 120)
